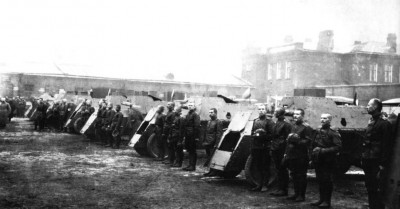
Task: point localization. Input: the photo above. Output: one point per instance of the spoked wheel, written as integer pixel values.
(152, 147)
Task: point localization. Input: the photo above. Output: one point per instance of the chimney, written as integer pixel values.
(288, 39)
(325, 42)
(391, 42)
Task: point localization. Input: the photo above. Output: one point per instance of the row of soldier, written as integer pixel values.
(289, 146)
(293, 146)
(11, 107)
(174, 132)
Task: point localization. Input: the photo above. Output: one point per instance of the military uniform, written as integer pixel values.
(280, 133)
(41, 116)
(192, 132)
(5, 110)
(376, 149)
(326, 146)
(158, 131)
(98, 123)
(175, 140)
(261, 145)
(109, 115)
(116, 123)
(169, 118)
(296, 158)
(213, 135)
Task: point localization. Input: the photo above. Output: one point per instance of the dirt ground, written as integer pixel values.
(60, 170)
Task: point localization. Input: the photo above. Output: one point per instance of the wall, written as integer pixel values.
(29, 85)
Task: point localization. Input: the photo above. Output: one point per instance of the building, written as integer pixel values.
(369, 69)
(49, 78)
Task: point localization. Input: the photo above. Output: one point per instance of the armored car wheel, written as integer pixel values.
(152, 147)
(251, 173)
(141, 151)
(78, 124)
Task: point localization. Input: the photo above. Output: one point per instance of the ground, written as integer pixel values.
(60, 170)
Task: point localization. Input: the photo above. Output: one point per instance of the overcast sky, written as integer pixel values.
(197, 38)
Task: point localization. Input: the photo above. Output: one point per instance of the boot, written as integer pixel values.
(296, 190)
(302, 189)
(321, 196)
(279, 193)
(176, 165)
(327, 197)
(189, 168)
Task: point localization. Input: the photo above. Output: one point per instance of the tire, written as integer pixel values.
(152, 147)
(229, 174)
(78, 124)
(141, 151)
(251, 174)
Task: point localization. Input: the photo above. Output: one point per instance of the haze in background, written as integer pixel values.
(199, 40)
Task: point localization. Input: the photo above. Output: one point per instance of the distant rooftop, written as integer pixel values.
(73, 70)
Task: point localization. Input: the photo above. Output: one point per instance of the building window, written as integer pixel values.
(278, 70)
(373, 73)
(269, 73)
(388, 73)
(28, 87)
(288, 69)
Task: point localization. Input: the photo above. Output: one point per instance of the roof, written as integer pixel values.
(110, 72)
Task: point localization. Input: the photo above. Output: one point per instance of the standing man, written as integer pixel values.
(41, 115)
(262, 134)
(158, 131)
(169, 119)
(376, 149)
(213, 134)
(116, 128)
(296, 155)
(109, 115)
(98, 123)
(5, 110)
(326, 146)
(175, 138)
(62, 111)
(192, 133)
(278, 146)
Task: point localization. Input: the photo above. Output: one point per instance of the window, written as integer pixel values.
(278, 70)
(288, 69)
(373, 72)
(269, 73)
(388, 73)
(28, 87)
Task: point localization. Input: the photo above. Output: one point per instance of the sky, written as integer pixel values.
(191, 39)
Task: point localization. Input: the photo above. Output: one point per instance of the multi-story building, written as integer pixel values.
(369, 69)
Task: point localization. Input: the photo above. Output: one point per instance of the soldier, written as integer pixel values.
(326, 146)
(227, 121)
(158, 131)
(98, 123)
(296, 155)
(169, 118)
(262, 134)
(41, 115)
(109, 115)
(192, 133)
(116, 123)
(5, 110)
(62, 111)
(135, 117)
(213, 134)
(13, 105)
(375, 155)
(175, 138)
(278, 146)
